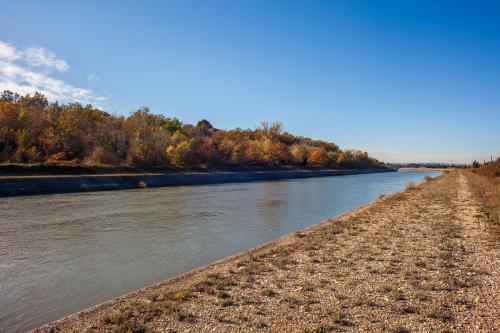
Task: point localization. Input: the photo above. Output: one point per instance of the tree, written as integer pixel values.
(317, 156)
(270, 131)
(172, 125)
(299, 154)
(182, 154)
(203, 127)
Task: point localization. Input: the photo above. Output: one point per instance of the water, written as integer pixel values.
(62, 253)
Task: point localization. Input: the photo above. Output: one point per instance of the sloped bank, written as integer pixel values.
(16, 186)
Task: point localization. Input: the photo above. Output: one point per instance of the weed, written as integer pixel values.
(401, 329)
(398, 295)
(440, 312)
(306, 286)
(411, 186)
(130, 326)
(262, 324)
(226, 302)
(420, 263)
(118, 317)
(340, 318)
(180, 295)
(223, 295)
(267, 293)
(322, 328)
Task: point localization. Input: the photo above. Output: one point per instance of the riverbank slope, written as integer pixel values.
(423, 259)
(34, 185)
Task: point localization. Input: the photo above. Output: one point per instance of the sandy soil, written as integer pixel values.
(421, 260)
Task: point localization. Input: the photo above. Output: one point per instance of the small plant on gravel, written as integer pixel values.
(214, 282)
(118, 317)
(439, 312)
(223, 295)
(267, 292)
(423, 297)
(206, 286)
(155, 296)
(411, 186)
(262, 324)
(226, 302)
(406, 309)
(398, 295)
(401, 329)
(292, 301)
(241, 317)
(178, 313)
(340, 318)
(124, 321)
(180, 295)
(420, 263)
(322, 328)
(307, 286)
(131, 326)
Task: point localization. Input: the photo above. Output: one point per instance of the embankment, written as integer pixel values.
(33, 185)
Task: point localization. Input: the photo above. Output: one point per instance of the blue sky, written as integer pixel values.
(405, 81)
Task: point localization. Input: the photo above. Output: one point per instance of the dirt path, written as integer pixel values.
(422, 260)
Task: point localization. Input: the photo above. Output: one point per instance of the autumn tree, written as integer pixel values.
(317, 156)
(299, 154)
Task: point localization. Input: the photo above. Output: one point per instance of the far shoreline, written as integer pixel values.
(66, 183)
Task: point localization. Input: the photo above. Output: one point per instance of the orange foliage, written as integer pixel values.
(317, 156)
(34, 130)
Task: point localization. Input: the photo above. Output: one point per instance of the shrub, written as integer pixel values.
(267, 293)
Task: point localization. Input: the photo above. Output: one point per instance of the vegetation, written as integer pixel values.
(486, 183)
(32, 130)
(490, 170)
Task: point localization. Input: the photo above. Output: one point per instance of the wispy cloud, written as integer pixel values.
(40, 57)
(94, 78)
(28, 70)
(8, 52)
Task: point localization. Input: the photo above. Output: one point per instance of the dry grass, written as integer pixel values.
(485, 182)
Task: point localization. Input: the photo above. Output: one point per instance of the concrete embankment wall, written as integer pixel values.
(15, 186)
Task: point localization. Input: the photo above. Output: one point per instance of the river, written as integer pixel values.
(62, 253)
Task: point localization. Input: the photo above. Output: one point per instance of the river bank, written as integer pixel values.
(422, 259)
(34, 185)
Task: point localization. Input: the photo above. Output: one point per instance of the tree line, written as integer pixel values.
(33, 130)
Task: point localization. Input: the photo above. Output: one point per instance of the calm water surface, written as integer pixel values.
(62, 253)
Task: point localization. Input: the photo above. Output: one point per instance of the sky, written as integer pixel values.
(407, 81)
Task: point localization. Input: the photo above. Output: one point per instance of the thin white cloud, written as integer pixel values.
(94, 78)
(24, 81)
(28, 71)
(8, 52)
(40, 57)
